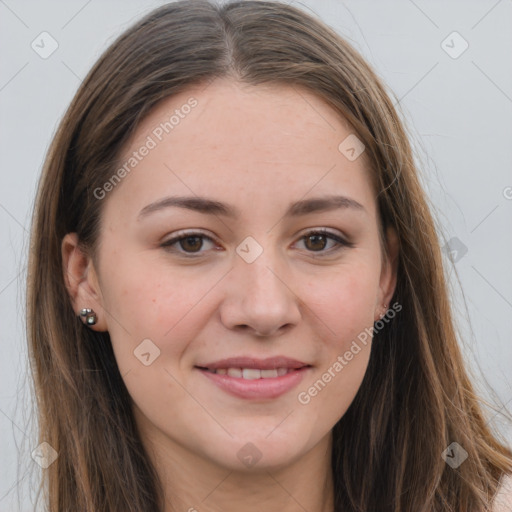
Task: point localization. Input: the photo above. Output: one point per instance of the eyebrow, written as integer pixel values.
(211, 207)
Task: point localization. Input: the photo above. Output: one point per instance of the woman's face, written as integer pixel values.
(220, 338)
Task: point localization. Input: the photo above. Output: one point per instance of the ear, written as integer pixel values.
(389, 271)
(81, 280)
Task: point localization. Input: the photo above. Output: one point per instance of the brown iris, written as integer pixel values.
(189, 240)
(315, 239)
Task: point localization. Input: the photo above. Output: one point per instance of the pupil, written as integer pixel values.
(316, 237)
(194, 246)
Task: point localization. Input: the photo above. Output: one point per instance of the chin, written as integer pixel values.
(259, 452)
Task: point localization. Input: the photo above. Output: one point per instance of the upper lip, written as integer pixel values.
(252, 362)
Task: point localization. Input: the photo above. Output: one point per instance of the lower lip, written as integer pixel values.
(257, 388)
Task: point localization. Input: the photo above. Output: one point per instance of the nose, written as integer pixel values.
(260, 297)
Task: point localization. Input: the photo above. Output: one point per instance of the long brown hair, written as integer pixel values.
(416, 397)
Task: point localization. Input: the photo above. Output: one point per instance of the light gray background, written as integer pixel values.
(458, 111)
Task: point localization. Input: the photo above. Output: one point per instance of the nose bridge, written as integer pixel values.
(263, 299)
(259, 271)
(261, 278)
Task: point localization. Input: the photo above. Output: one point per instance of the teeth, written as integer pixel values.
(234, 372)
(252, 373)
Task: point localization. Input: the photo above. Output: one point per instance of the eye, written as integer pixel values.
(190, 244)
(316, 241)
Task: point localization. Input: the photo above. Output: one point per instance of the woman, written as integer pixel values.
(236, 294)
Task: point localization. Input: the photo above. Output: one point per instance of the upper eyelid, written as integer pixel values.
(183, 234)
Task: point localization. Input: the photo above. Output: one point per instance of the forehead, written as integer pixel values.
(271, 115)
(232, 140)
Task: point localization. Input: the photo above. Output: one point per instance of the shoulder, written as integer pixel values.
(503, 500)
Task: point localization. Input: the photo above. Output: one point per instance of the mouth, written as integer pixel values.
(251, 378)
(250, 373)
(252, 368)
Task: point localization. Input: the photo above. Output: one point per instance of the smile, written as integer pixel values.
(254, 383)
(251, 373)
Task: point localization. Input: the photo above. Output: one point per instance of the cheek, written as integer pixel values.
(344, 307)
(145, 300)
(345, 303)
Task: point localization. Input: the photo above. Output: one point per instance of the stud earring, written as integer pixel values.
(89, 316)
(384, 313)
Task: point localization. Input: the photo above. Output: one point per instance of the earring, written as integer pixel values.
(385, 309)
(89, 316)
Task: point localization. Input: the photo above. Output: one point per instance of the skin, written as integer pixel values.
(258, 149)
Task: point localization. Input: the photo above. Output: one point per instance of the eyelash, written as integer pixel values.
(167, 245)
